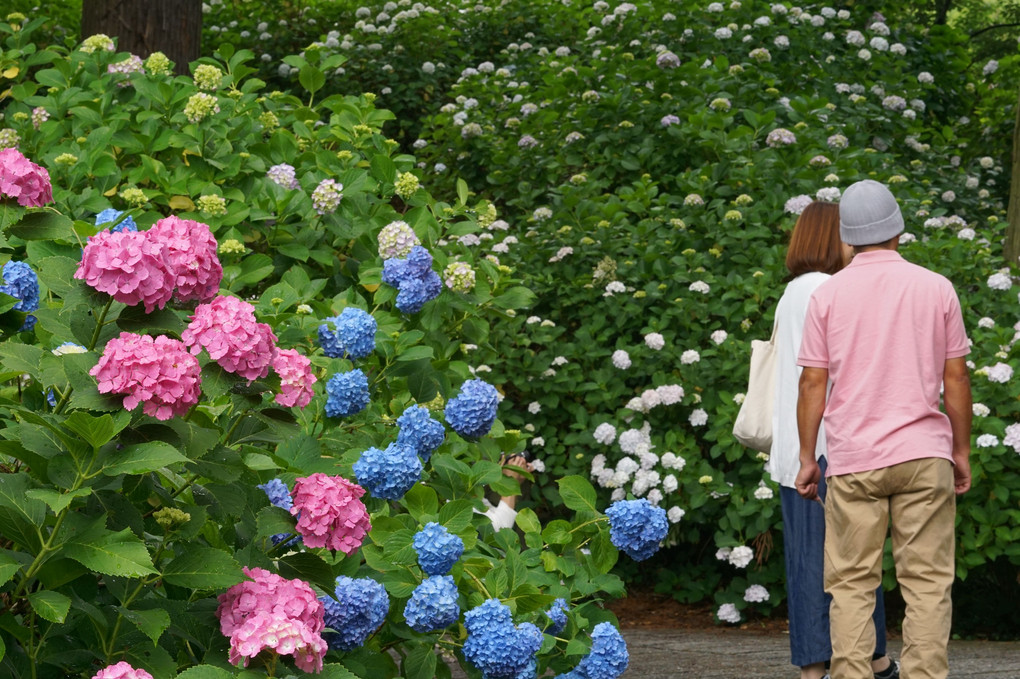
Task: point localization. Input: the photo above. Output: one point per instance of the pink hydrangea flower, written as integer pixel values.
(22, 179)
(227, 329)
(191, 250)
(121, 670)
(129, 267)
(268, 593)
(156, 372)
(283, 635)
(296, 378)
(330, 513)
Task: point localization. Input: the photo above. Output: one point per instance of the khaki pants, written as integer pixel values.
(919, 498)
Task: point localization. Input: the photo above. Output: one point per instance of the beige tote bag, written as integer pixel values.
(753, 426)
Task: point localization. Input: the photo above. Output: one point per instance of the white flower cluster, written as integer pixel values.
(756, 594)
(621, 359)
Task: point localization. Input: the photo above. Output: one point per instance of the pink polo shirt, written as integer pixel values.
(883, 328)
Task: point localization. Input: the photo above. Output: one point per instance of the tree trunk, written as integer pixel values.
(942, 8)
(1012, 246)
(173, 27)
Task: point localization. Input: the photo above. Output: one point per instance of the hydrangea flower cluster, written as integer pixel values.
(110, 215)
(433, 604)
(388, 473)
(414, 278)
(396, 240)
(121, 670)
(94, 43)
(279, 496)
(157, 63)
(283, 175)
(352, 333)
(201, 105)
(133, 64)
(557, 615)
(207, 77)
(347, 393)
(780, 137)
(419, 431)
(330, 512)
(360, 606)
(157, 372)
(128, 266)
(494, 645)
(296, 378)
(275, 613)
(472, 412)
(437, 548)
(728, 613)
(459, 277)
(227, 329)
(20, 281)
(191, 251)
(282, 635)
(637, 527)
(326, 196)
(608, 658)
(23, 180)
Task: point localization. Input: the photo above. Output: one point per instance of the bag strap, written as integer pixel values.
(775, 327)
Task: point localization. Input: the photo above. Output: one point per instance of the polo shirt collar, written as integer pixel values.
(875, 257)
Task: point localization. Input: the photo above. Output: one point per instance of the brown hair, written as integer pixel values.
(815, 243)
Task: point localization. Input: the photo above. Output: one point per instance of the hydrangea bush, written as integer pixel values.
(648, 169)
(301, 488)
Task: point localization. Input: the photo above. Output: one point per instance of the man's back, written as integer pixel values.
(883, 328)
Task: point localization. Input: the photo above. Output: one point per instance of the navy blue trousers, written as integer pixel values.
(808, 604)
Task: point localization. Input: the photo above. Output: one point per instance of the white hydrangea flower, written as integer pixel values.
(763, 492)
(650, 398)
(690, 356)
(534, 407)
(670, 394)
(674, 514)
(698, 417)
(655, 341)
(1000, 281)
(728, 613)
(987, 441)
(756, 594)
(719, 336)
(671, 461)
(634, 442)
(741, 556)
(618, 494)
(655, 497)
(1000, 372)
(670, 483)
(614, 287)
(605, 433)
(621, 359)
(699, 286)
(636, 404)
(980, 410)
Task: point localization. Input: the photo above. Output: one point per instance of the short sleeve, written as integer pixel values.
(956, 336)
(814, 352)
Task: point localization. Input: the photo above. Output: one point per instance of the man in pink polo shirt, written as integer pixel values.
(888, 335)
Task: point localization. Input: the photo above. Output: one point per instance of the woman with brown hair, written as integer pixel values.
(815, 254)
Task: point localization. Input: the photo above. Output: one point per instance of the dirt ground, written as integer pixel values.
(648, 610)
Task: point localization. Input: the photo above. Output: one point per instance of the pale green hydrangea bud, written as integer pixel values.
(733, 216)
(97, 42)
(459, 277)
(743, 200)
(199, 106)
(208, 77)
(134, 196)
(406, 184)
(66, 159)
(212, 205)
(9, 138)
(157, 63)
(232, 246)
(171, 517)
(269, 121)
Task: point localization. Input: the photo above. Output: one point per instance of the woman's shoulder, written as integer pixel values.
(806, 283)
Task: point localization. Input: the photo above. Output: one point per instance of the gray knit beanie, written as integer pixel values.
(868, 214)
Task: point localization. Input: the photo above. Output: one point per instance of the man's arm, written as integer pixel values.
(810, 408)
(957, 399)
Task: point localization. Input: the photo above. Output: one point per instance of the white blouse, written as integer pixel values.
(784, 459)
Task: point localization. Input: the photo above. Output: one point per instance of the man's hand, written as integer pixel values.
(961, 475)
(807, 479)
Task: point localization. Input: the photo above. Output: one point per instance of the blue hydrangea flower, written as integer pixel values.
(637, 527)
(279, 496)
(347, 393)
(438, 549)
(433, 604)
(21, 282)
(557, 613)
(472, 411)
(495, 646)
(357, 611)
(351, 333)
(419, 431)
(417, 264)
(110, 215)
(608, 658)
(415, 292)
(388, 473)
(572, 674)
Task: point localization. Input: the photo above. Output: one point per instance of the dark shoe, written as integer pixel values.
(891, 672)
